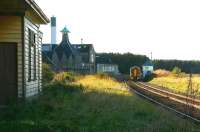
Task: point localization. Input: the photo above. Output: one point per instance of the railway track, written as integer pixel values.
(176, 97)
(171, 101)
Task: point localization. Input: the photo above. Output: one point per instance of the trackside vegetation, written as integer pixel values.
(176, 81)
(90, 103)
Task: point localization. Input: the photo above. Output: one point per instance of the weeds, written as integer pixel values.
(177, 84)
(91, 103)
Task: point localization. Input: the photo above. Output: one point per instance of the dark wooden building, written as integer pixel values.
(20, 49)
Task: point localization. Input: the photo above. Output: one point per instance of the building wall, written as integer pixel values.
(92, 55)
(32, 87)
(93, 61)
(11, 6)
(109, 68)
(83, 62)
(11, 31)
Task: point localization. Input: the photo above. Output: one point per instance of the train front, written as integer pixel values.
(135, 73)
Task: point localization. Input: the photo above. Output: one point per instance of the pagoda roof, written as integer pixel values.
(65, 46)
(65, 30)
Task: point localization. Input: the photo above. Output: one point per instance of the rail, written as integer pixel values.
(170, 96)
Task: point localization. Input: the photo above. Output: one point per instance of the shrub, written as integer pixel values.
(47, 73)
(64, 76)
(176, 70)
(161, 73)
(103, 75)
(56, 86)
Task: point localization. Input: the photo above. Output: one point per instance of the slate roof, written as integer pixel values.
(82, 47)
(48, 47)
(102, 60)
(64, 49)
(65, 46)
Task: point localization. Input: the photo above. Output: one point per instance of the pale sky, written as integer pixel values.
(168, 28)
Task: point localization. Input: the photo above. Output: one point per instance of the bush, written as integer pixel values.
(47, 73)
(161, 73)
(56, 86)
(64, 76)
(176, 70)
(103, 75)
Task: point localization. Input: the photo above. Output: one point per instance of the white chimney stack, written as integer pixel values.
(53, 30)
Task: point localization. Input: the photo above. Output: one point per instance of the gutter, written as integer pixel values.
(38, 10)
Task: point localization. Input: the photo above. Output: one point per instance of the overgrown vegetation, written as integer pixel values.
(177, 83)
(64, 76)
(90, 103)
(161, 73)
(176, 70)
(47, 73)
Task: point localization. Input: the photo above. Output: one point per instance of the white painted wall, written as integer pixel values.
(110, 68)
(53, 35)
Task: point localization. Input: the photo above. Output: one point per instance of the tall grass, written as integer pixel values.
(103, 84)
(92, 103)
(64, 76)
(177, 84)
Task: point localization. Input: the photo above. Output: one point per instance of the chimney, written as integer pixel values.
(53, 30)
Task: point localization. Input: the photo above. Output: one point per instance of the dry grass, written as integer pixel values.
(162, 73)
(177, 84)
(92, 103)
(64, 76)
(102, 84)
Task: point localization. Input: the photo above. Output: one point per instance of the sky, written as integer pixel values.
(170, 29)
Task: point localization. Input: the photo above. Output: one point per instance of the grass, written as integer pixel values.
(177, 84)
(92, 103)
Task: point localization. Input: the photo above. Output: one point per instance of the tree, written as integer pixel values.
(176, 70)
(124, 61)
(185, 66)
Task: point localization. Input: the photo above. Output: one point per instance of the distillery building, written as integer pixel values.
(69, 57)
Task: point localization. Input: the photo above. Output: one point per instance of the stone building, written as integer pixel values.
(70, 57)
(87, 55)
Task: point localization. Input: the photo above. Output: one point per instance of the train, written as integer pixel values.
(135, 73)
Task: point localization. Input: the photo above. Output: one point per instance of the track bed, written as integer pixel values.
(185, 106)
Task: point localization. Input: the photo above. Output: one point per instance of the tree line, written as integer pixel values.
(185, 66)
(124, 61)
(127, 60)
